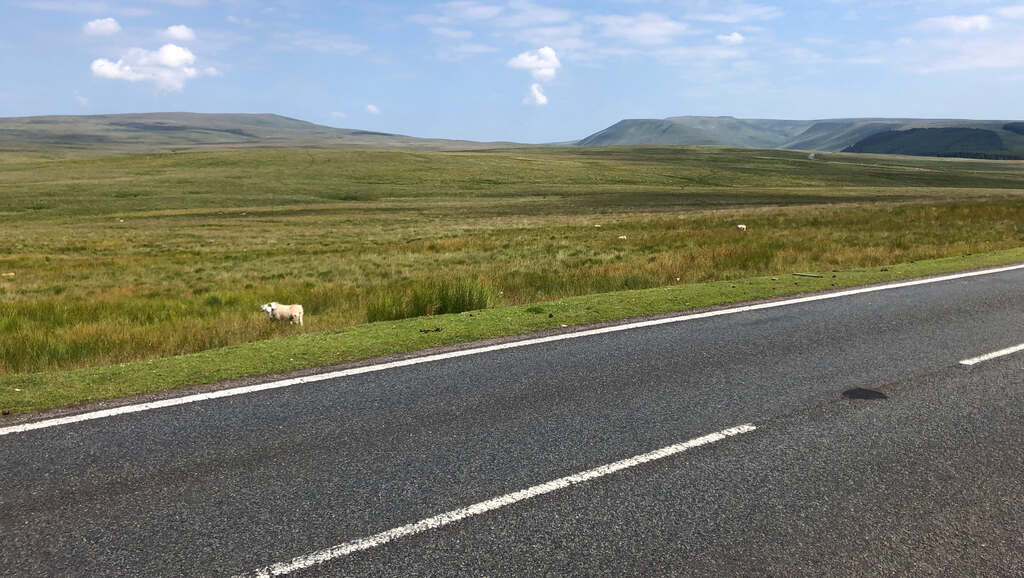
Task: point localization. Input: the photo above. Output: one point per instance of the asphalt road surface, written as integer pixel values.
(920, 472)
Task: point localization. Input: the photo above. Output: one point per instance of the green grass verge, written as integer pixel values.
(31, 392)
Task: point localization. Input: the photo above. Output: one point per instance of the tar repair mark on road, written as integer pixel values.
(862, 393)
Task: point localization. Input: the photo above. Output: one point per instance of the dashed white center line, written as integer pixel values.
(434, 522)
(993, 355)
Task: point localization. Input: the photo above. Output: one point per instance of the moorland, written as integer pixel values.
(118, 259)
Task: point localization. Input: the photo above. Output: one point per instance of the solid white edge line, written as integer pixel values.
(993, 355)
(434, 522)
(453, 354)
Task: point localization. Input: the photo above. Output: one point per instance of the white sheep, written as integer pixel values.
(277, 312)
(742, 228)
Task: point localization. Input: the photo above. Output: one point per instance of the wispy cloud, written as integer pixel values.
(451, 33)
(524, 13)
(69, 6)
(456, 51)
(322, 42)
(454, 13)
(372, 109)
(1011, 12)
(469, 10)
(700, 55)
(732, 12)
(566, 37)
(646, 28)
(975, 42)
(959, 24)
(978, 53)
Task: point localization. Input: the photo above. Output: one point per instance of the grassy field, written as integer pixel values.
(115, 260)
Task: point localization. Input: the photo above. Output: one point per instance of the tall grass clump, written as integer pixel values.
(435, 297)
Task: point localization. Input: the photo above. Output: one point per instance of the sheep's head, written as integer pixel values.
(267, 308)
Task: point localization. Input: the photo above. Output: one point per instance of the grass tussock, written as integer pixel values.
(434, 297)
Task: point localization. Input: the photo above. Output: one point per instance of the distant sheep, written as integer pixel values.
(742, 228)
(277, 312)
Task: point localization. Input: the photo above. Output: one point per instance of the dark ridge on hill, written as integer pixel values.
(922, 137)
(1014, 127)
(950, 141)
(183, 131)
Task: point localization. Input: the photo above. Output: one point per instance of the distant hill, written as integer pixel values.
(923, 137)
(698, 130)
(182, 131)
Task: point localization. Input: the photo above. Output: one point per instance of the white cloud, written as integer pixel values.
(959, 24)
(542, 63)
(101, 27)
(180, 32)
(732, 39)
(536, 96)
(104, 68)
(646, 28)
(168, 68)
(81, 100)
(338, 114)
(174, 56)
(372, 109)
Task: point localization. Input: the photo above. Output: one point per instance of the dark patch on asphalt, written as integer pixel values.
(863, 393)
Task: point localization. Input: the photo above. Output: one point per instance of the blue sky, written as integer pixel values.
(530, 71)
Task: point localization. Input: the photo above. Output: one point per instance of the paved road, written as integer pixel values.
(926, 481)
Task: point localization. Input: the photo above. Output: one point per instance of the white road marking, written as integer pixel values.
(434, 522)
(453, 354)
(993, 355)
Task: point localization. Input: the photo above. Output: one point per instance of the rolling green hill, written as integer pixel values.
(922, 137)
(180, 131)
